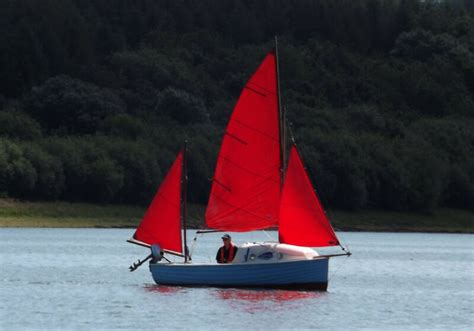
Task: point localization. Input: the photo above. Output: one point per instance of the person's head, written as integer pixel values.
(226, 239)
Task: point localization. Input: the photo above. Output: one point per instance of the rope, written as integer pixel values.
(337, 269)
(268, 235)
(321, 196)
(193, 244)
(290, 130)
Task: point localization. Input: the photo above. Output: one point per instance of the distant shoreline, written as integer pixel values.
(18, 214)
(385, 230)
(349, 229)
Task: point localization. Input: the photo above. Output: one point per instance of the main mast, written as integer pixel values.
(281, 118)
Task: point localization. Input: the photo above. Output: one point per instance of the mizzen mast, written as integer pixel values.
(184, 180)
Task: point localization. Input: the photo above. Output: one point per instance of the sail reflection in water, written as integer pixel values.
(245, 300)
(252, 301)
(167, 290)
(266, 295)
(234, 294)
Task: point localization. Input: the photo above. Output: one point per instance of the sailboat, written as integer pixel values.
(252, 189)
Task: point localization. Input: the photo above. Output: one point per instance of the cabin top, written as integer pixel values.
(272, 252)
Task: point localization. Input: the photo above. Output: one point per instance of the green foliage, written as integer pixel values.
(67, 105)
(18, 125)
(50, 175)
(97, 98)
(104, 179)
(138, 163)
(181, 106)
(124, 125)
(422, 45)
(17, 174)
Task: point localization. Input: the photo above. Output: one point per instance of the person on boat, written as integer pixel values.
(227, 252)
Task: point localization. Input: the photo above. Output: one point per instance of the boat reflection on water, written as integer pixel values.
(242, 294)
(253, 300)
(265, 295)
(164, 289)
(248, 300)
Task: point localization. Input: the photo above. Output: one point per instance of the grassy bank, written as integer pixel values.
(74, 215)
(15, 213)
(442, 220)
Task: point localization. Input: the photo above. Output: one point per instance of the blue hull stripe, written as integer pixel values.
(307, 273)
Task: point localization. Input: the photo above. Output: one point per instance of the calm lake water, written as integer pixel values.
(79, 279)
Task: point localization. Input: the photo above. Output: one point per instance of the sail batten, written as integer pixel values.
(245, 192)
(303, 221)
(162, 221)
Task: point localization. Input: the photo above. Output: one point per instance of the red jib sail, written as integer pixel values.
(302, 218)
(162, 222)
(245, 193)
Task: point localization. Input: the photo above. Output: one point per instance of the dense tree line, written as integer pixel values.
(96, 97)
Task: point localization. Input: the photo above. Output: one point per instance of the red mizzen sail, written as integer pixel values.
(162, 221)
(245, 193)
(302, 218)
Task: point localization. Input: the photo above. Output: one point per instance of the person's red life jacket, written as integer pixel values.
(230, 258)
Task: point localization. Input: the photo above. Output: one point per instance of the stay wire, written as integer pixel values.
(335, 271)
(268, 235)
(342, 243)
(191, 251)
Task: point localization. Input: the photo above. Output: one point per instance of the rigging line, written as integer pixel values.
(340, 237)
(255, 91)
(310, 173)
(263, 172)
(233, 209)
(261, 87)
(290, 129)
(191, 251)
(343, 244)
(245, 169)
(236, 138)
(224, 186)
(333, 273)
(323, 224)
(245, 201)
(320, 196)
(237, 209)
(261, 186)
(268, 236)
(269, 136)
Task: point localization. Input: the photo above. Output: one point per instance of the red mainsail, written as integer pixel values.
(162, 221)
(245, 193)
(302, 218)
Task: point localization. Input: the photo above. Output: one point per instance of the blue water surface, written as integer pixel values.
(79, 279)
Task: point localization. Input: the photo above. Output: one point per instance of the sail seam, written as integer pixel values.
(242, 209)
(247, 170)
(224, 186)
(236, 138)
(260, 87)
(255, 91)
(256, 130)
(249, 200)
